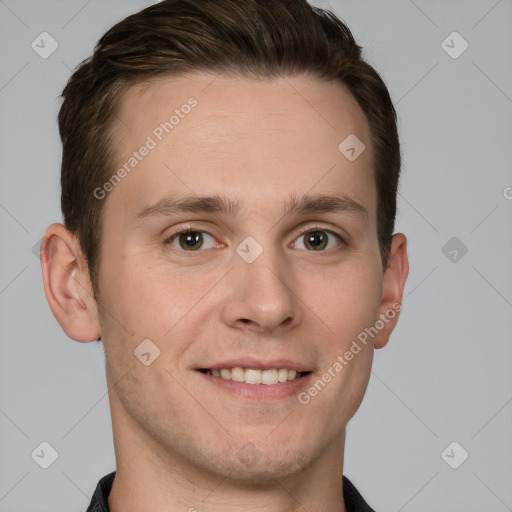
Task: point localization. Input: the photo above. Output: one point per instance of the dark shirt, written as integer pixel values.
(354, 502)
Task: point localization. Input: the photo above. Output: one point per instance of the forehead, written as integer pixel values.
(303, 97)
(260, 138)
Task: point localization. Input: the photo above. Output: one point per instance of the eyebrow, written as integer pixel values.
(219, 204)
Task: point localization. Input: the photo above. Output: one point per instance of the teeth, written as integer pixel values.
(237, 374)
(225, 374)
(292, 374)
(269, 377)
(254, 376)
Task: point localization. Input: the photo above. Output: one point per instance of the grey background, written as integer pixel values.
(445, 375)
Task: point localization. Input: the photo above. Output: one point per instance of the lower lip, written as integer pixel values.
(259, 392)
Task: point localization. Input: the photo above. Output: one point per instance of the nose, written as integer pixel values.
(263, 295)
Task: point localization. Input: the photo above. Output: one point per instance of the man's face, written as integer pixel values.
(246, 288)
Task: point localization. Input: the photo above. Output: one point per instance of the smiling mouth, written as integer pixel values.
(256, 376)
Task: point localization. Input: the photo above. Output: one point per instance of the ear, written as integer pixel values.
(67, 284)
(392, 290)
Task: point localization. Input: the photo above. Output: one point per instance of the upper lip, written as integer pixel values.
(258, 364)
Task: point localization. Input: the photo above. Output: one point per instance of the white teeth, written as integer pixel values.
(225, 374)
(252, 376)
(269, 377)
(237, 374)
(255, 376)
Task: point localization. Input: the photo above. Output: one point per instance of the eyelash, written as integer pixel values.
(190, 229)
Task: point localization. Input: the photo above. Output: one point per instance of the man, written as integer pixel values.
(229, 181)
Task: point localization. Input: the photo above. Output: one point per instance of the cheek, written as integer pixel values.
(349, 309)
(149, 300)
(348, 299)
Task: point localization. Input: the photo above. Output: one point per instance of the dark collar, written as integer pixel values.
(354, 502)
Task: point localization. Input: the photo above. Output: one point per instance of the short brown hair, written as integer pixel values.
(252, 38)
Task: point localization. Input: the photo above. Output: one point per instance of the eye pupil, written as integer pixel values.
(191, 240)
(316, 239)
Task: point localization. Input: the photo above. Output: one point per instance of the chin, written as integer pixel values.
(252, 466)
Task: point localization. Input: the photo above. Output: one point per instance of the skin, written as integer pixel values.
(177, 435)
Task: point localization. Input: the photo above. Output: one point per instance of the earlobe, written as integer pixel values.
(393, 288)
(67, 284)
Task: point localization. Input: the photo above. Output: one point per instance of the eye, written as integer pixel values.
(318, 239)
(190, 240)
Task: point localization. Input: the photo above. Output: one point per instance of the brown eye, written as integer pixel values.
(189, 240)
(318, 239)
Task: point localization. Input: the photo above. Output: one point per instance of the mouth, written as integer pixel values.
(255, 376)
